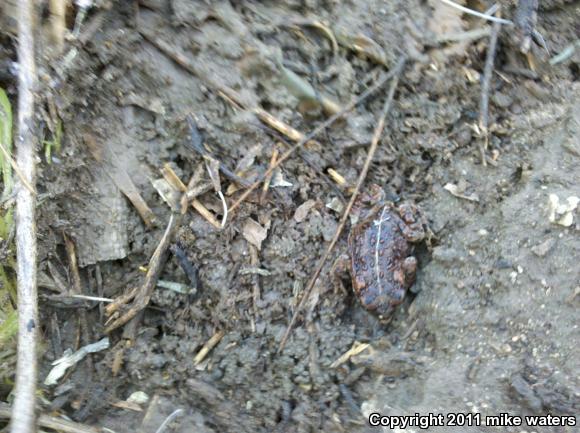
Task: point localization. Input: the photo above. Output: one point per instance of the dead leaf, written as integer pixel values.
(456, 191)
(336, 205)
(302, 210)
(254, 233)
(278, 180)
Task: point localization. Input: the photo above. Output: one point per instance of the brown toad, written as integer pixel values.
(380, 249)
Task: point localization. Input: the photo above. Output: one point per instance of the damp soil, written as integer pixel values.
(491, 325)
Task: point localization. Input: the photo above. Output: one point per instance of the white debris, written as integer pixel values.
(278, 180)
(562, 213)
(138, 397)
(69, 359)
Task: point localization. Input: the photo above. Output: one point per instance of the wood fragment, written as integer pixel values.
(208, 346)
(120, 178)
(396, 72)
(23, 411)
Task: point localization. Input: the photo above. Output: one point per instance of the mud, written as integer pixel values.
(491, 324)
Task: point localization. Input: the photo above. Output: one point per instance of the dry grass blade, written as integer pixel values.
(374, 144)
(6, 143)
(8, 315)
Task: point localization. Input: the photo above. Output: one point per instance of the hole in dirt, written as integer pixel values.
(426, 156)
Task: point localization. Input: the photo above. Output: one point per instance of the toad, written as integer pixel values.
(380, 248)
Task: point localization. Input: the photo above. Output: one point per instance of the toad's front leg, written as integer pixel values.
(339, 271)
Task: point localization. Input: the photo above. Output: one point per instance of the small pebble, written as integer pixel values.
(544, 248)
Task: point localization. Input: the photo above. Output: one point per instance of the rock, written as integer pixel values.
(544, 248)
(502, 100)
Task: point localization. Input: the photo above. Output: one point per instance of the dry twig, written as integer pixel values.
(268, 178)
(208, 346)
(143, 294)
(53, 423)
(172, 178)
(77, 290)
(227, 93)
(374, 144)
(380, 83)
(484, 100)
(58, 23)
(23, 414)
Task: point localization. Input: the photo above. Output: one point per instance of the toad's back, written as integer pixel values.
(378, 250)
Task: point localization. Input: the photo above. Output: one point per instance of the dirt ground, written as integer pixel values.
(491, 325)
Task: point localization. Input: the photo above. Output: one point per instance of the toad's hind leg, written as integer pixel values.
(338, 271)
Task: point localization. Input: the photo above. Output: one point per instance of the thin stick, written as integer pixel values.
(484, 100)
(268, 178)
(53, 423)
(58, 23)
(23, 412)
(176, 182)
(476, 14)
(380, 83)
(374, 144)
(208, 346)
(158, 259)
